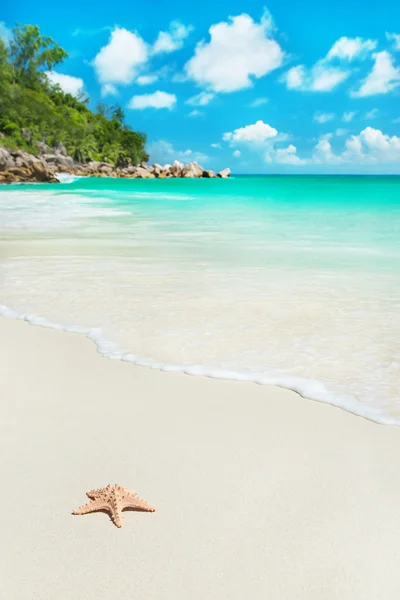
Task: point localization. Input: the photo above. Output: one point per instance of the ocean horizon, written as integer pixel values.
(289, 280)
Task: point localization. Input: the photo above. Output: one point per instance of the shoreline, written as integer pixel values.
(312, 390)
(18, 166)
(269, 493)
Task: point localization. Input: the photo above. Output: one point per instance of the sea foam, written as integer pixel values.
(307, 388)
(67, 178)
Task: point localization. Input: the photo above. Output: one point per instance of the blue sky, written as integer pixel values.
(276, 88)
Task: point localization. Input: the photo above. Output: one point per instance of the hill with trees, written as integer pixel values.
(34, 111)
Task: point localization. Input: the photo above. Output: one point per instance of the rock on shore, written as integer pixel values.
(19, 166)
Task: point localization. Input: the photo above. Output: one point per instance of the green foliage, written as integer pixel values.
(30, 53)
(5, 76)
(82, 147)
(111, 153)
(33, 109)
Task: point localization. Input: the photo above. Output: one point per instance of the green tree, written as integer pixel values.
(103, 109)
(111, 153)
(5, 75)
(31, 54)
(82, 147)
(117, 114)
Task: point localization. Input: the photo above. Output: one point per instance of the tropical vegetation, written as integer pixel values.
(34, 110)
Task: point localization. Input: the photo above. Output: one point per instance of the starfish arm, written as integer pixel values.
(92, 507)
(97, 493)
(116, 515)
(132, 500)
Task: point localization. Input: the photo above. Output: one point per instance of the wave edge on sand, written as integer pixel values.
(306, 388)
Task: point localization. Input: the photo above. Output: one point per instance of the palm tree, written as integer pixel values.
(111, 153)
(82, 147)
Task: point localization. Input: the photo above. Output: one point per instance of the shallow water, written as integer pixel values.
(286, 280)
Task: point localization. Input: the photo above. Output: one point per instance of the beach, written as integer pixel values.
(199, 302)
(259, 493)
(291, 281)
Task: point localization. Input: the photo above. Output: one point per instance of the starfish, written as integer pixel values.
(114, 499)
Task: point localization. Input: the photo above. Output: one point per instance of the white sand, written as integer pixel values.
(260, 493)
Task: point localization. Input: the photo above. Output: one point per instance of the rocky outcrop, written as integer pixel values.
(143, 173)
(176, 169)
(41, 172)
(224, 173)
(157, 170)
(209, 174)
(43, 148)
(4, 159)
(192, 170)
(19, 166)
(61, 149)
(59, 160)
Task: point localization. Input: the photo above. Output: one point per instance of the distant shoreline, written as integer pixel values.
(18, 166)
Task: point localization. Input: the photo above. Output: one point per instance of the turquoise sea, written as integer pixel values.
(290, 280)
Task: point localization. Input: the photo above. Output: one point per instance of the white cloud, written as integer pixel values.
(371, 146)
(237, 153)
(258, 102)
(323, 117)
(320, 78)
(258, 132)
(395, 38)
(261, 136)
(295, 77)
(108, 89)
(68, 83)
(120, 60)
(323, 153)
(331, 70)
(326, 79)
(372, 114)
(383, 78)
(163, 152)
(215, 146)
(5, 33)
(196, 113)
(169, 41)
(349, 116)
(285, 156)
(377, 146)
(200, 99)
(349, 48)
(156, 100)
(237, 51)
(146, 79)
